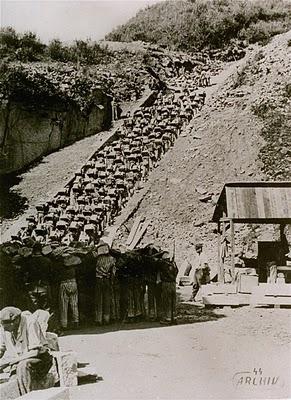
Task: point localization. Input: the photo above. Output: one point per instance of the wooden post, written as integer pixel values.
(232, 248)
(282, 228)
(218, 252)
(282, 238)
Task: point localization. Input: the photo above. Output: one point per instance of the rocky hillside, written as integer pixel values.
(230, 140)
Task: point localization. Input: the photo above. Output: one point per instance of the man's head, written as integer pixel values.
(166, 256)
(10, 318)
(199, 248)
(102, 249)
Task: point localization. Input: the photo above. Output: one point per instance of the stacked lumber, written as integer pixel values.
(221, 295)
(237, 299)
(263, 294)
(271, 294)
(138, 229)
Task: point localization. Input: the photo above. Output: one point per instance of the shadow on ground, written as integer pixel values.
(11, 203)
(186, 314)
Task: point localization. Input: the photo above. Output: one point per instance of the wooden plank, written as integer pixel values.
(278, 204)
(240, 204)
(273, 204)
(133, 230)
(253, 205)
(250, 203)
(219, 259)
(269, 300)
(286, 202)
(139, 234)
(226, 288)
(232, 211)
(267, 203)
(232, 247)
(260, 203)
(279, 290)
(287, 196)
(221, 300)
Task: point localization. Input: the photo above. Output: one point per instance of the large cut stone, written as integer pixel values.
(59, 393)
(67, 367)
(9, 390)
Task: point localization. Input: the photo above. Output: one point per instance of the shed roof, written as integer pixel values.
(257, 202)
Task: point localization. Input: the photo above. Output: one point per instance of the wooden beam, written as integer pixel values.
(282, 228)
(133, 230)
(219, 260)
(282, 240)
(224, 219)
(139, 234)
(232, 248)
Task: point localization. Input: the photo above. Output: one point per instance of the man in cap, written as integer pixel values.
(105, 265)
(39, 269)
(200, 265)
(68, 290)
(167, 273)
(24, 348)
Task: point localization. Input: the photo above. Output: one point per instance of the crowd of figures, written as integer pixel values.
(86, 284)
(57, 260)
(83, 209)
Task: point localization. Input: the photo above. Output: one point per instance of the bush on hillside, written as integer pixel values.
(24, 47)
(28, 48)
(83, 52)
(198, 24)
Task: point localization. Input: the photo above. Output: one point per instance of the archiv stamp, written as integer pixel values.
(256, 378)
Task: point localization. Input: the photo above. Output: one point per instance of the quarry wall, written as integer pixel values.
(29, 132)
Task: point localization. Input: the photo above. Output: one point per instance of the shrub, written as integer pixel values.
(183, 24)
(23, 47)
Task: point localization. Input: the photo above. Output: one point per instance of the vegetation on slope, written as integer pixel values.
(198, 24)
(276, 152)
(40, 74)
(27, 47)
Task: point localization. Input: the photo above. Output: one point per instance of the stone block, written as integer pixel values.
(9, 390)
(67, 367)
(53, 342)
(58, 393)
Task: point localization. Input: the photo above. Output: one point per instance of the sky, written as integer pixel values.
(68, 20)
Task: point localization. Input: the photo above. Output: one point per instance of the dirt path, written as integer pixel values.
(194, 361)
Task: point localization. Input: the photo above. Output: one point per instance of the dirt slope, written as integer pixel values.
(223, 145)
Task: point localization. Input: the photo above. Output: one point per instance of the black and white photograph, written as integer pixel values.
(145, 199)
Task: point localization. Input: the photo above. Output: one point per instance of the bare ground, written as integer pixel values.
(197, 359)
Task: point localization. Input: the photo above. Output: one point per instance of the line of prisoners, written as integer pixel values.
(98, 192)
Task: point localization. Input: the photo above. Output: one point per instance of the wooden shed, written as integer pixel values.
(251, 202)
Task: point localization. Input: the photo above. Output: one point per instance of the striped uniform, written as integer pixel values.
(104, 300)
(68, 296)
